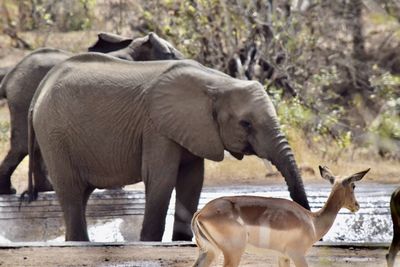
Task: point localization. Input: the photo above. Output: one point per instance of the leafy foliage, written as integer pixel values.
(340, 59)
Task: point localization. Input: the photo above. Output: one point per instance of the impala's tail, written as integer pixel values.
(395, 213)
(208, 248)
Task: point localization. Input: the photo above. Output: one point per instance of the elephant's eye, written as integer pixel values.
(245, 124)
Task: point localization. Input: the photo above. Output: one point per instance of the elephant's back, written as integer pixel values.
(94, 73)
(22, 80)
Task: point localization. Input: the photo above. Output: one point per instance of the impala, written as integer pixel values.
(232, 224)
(395, 212)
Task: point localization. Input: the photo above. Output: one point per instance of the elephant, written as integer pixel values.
(21, 82)
(3, 72)
(101, 122)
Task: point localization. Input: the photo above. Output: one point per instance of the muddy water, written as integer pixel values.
(115, 216)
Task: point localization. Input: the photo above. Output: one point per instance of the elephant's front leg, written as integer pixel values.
(161, 159)
(188, 189)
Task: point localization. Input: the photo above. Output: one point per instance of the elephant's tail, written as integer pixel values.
(204, 240)
(31, 193)
(2, 90)
(3, 74)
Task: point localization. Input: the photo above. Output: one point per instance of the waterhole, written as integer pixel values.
(116, 215)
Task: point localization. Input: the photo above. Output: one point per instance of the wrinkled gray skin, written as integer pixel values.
(150, 121)
(4, 71)
(21, 83)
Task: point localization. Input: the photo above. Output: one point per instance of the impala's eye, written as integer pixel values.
(246, 125)
(354, 186)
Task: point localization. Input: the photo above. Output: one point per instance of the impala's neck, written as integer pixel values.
(325, 217)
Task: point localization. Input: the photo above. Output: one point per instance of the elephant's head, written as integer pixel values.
(208, 112)
(149, 47)
(108, 42)
(152, 47)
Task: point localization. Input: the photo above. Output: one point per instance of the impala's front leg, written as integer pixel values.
(161, 159)
(188, 189)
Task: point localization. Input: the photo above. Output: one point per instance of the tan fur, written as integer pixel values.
(232, 224)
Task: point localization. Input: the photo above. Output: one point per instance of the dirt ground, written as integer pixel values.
(179, 256)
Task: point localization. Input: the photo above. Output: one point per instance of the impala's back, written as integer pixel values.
(254, 223)
(395, 213)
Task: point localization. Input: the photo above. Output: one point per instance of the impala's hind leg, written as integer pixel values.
(284, 261)
(205, 258)
(394, 248)
(234, 247)
(298, 259)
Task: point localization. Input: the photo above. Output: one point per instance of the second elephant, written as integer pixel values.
(21, 82)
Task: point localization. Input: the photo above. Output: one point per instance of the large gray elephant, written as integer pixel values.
(102, 122)
(21, 83)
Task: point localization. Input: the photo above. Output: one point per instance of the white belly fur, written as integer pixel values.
(261, 238)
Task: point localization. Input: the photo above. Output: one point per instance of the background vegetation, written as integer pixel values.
(332, 68)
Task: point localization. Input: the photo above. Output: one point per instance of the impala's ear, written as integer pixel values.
(326, 174)
(181, 107)
(355, 177)
(108, 42)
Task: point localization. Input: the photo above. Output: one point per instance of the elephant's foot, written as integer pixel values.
(115, 188)
(44, 188)
(151, 236)
(7, 190)
(181, 237)
(182, 230)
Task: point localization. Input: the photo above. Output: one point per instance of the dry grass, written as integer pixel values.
(75, 42)
(345, 162)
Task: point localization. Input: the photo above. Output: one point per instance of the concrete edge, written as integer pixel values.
(16, 245)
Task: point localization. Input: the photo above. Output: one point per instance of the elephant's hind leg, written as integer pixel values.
(18, 150)
(73, 203)
(7, 167)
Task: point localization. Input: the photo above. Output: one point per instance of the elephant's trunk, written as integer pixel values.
(282, 157)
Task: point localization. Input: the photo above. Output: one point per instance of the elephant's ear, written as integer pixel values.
(180, 106)
(153, 47)
(162, 45)
(108, 42)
